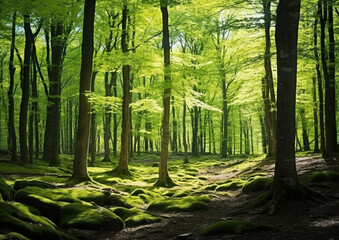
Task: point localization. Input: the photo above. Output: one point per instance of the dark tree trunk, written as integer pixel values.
(108, 116)
(81, 151)
(184, 132)
(195, 128)
(268, 86)
(122, 168)
(115, 122)
(320, 84)
(224, 119)
(175, 130)
(35, 109)
(286, 185)
(70, 125)
(306, 141)
(330, 97)
(263, 135)
(10, 93)
(164, 178)
(53, 118)
(93, 134)
(25, 90)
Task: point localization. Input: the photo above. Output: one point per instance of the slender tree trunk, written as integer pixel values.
(10, 93)
(25, 90)
(115, 122)
(263, 135)
(107, 125)
(268, 85)
(184, 140)
(330, 96)
(306, 141)
(93, 125)
(329, 125)
(164, 178)
(175, 129)
(70, 125)
(122, 168)
(225, 119)
(81, 151)
(320, 84)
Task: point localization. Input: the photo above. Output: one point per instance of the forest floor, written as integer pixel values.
(222, 180)
(297, 220)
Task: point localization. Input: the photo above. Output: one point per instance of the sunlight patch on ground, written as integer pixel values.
(326, 222)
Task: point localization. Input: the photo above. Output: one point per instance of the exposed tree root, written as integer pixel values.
(118, 171)
(167, 182)
(280, 195)
(77, 180)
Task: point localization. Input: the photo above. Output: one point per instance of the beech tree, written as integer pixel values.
(164, 178)
(82, 139)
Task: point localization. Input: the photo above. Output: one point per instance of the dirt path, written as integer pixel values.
(313, 220)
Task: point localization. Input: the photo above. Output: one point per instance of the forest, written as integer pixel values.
(169, 119)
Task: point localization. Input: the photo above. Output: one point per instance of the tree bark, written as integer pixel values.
(320, 84)
(25, 90)
(93, 125)
(81, 151)
(306, 141)
(108, 116)
(122, 168)
(164, 178)
(10, 93)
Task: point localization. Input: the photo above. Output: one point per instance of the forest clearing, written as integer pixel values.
(169, 119)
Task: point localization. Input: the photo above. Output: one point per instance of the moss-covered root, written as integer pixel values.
(233, 226)
(166, 182)
(6, 191)
(281, 194)
(119, 171)
(76, 180)
(325, 176)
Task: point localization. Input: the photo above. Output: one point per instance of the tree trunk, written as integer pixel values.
(175, 130)
(184, 140)
(225, 119)
(268, 85)
(81, 151)
(115, 123)
(93, 125)
(10, 93)
(25, 90)
(263, 135)
(122, 168)
(107, 125)
(286, 183)
(330, 97)
(320, 85)
(164, 178)
(306, 142)
(53, 118)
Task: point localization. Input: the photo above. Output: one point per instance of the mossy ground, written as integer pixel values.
(48, 194)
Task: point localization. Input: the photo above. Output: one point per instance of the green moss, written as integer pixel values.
(85, 216)
(14, 236)
(233, 226)
(210, 187)
(6, 191)
(183, 193)
(35, 183)
(134, 217)
(187, 204)
(125, 201)
(324, 176)
(257, 184)
(17, 217)
(66, 195)
(230, 186)
(139, 191)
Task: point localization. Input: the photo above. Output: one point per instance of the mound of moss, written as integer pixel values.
(325, 176)
(69, 195)
(87, 216)
(17, 217)
(6, 191)
(235, 185)
(125, 201)
(233, 226)
(14, 236)
(34, 183)
(135, 217)
(182, 193)
(257, 184)
(186, 204)
(139, 191)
